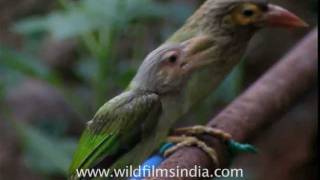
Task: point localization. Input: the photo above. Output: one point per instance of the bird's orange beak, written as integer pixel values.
(277, 16)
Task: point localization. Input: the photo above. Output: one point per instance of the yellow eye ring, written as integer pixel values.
(246, 14)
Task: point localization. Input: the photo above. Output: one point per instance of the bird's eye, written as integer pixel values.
(248, 12)
(173, 58)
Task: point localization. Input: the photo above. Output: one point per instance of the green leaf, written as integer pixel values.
(43, 153)
(86, 68)
(31, 25)
(15, 62)
(2, 89)
(125, 77)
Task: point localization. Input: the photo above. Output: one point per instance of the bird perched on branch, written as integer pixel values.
(131, 117)
(172, 79)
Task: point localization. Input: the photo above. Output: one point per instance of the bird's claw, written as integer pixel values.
(182, 141)
(187, 138)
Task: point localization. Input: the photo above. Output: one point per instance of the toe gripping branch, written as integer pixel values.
(187, 137)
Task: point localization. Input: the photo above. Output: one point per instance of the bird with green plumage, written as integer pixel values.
(131, 117)
(174, 78)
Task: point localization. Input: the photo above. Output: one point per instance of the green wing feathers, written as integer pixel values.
(91, 147)
(101, 137)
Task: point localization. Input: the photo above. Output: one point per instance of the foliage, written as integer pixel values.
(88, 16)
(102, 65)
(20, 64)
(45, 153)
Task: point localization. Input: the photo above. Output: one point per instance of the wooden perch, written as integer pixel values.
(262, 104)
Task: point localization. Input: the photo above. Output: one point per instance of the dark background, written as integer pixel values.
(61, 60)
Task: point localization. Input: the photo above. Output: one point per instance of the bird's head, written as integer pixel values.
(165, 69)
(246, 15)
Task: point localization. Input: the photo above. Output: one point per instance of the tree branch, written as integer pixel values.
(259, 106)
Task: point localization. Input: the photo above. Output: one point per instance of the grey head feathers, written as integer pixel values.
(147, 77)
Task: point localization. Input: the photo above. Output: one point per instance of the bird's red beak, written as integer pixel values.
(277, 16)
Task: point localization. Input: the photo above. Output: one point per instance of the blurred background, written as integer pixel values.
(60, 60)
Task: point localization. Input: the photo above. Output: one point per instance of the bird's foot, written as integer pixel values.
(182, 141)
(187, 137)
